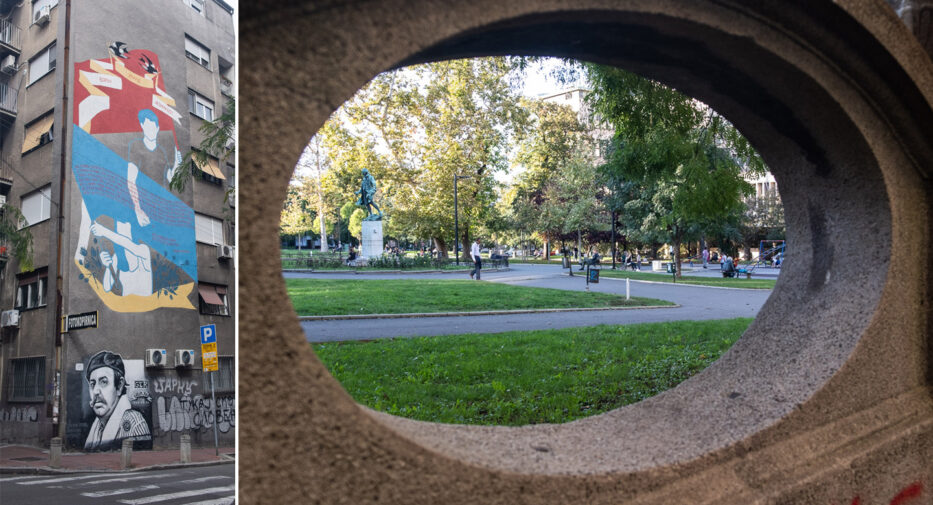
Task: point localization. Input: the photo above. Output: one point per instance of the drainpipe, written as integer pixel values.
(57, 426)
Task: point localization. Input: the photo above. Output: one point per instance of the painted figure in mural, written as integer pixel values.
(135, 236)
(116, 419)
(145, 153)
(136, 277)
(367, 192)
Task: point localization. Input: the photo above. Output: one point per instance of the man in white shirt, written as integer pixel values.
(477, 261)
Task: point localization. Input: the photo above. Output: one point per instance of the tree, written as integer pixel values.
(414, 129)
(15, 238)
(678, 162)
(219, 142)
(297, 214)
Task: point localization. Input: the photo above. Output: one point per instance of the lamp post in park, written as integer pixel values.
(456, 222)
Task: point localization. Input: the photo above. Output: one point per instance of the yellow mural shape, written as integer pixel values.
(137, 303)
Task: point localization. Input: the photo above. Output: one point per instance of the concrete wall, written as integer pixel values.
(825, 399)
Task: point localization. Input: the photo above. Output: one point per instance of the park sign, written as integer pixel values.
(209, 348)
(79, 321)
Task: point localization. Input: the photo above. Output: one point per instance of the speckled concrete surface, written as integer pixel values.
(827, 397)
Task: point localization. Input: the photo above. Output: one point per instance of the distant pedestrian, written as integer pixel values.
(477, 260)
(705, 257)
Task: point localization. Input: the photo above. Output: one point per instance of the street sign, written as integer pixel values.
(79, 321)
(209, 348)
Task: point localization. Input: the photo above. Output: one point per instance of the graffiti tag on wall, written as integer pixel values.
(136, 243)
(183, 413)
(19, 415)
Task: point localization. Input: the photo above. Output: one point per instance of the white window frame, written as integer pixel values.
(200, 106)
(36, 207)
(42, 63)
(34, 293)
(208, 230)
(197, 52)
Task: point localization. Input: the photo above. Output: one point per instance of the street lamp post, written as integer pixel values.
(456, 222)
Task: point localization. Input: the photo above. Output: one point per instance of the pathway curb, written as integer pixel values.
(477, 313)
(382, 272)
(47, 470)
(675, 283)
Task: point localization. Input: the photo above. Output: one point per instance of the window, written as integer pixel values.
(28, 379)
(37, 206)
(32, 289)
(211, 171)
(38, 132)
(225, 378)
(197, 5)
(200, 106)
(208, 230)
(42, 63)
(213, 299)
(197, 52)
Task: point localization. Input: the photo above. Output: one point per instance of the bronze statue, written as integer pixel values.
(366, 192)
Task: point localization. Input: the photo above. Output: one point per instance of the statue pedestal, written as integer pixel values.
(371, 242)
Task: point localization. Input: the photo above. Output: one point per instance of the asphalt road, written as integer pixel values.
(696, 303)
(201, 485)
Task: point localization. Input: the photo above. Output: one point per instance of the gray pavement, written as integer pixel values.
(696, 303)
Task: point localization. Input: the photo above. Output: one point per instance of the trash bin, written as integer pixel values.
(566, 262)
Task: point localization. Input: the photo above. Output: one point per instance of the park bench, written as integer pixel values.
(499, 261)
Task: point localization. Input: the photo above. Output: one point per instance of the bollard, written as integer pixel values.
(186, 448)
(627, 297)
(127, 455)
(55, 453)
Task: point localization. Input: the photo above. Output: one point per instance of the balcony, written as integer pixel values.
(7, 103)
(226, 86)
(10, 39)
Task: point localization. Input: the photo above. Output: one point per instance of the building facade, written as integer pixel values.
(100, 338)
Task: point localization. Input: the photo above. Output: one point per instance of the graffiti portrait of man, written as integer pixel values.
(116, 419)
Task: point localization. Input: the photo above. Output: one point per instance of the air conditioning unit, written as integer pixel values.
(156, 358)
(184, 358)
(8, 65)
(42, 16)
(9, 318)
(224, 251)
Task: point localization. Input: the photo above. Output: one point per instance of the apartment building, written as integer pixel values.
(101, 336)
(599, 133)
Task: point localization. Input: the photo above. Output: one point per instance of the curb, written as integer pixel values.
(379, 272)
(477, 313)
(601, 278)
(47, 470)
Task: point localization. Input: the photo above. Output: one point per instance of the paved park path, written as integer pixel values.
(696, 303)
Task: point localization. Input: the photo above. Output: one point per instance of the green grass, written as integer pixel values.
(516, 378)
(742, 282)
(312, 297)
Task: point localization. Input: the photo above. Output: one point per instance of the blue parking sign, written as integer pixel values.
(208, 334)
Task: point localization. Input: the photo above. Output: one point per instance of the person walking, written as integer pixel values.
(705, 257)
(477, 260)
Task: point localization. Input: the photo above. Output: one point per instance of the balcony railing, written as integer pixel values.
(7, 99)
(10, 35)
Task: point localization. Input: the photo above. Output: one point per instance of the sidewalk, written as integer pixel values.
(26, 459)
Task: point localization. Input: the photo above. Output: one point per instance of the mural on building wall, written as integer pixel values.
(136, 242)
(108, 402)
(180, 408)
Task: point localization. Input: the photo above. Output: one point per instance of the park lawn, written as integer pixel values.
(316, 297)
(724, 282)
(526, 377)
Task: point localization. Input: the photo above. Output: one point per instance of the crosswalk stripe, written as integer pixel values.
(205, 479)
(113, 492)
(219, 501)
(10, 479)
(60, 479)
(173, 496)
(111, 480)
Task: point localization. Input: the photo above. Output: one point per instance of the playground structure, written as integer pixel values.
(773, 255)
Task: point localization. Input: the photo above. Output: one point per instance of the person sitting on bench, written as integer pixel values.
(728, 267)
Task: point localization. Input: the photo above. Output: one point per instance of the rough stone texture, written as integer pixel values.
(827, 397)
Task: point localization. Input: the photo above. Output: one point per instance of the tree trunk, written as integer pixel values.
(324, 247)
(676, 258)
(441, 247)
